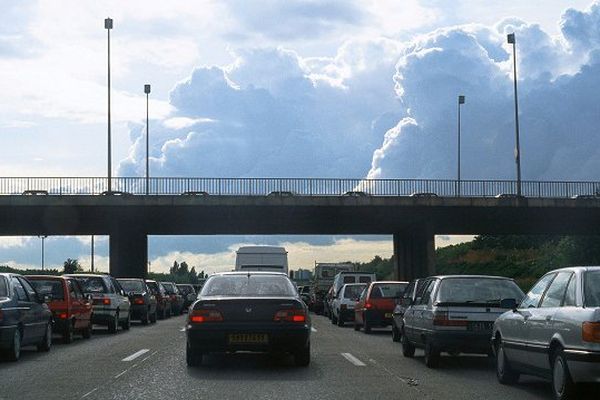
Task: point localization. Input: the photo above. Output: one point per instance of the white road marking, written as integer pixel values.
(353, 359)
(182, 329)
(136, 355)
(312, 328)
(121, 374)
(88, 393)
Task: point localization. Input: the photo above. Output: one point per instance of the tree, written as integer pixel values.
(72, 266)
(174, 269)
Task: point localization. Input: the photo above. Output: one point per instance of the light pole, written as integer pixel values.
(43, 237)
(512, 40)
(108, 25)
(147, 91)
(92, 254)
(461, 100)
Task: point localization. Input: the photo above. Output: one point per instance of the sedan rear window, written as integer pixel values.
(591, 289)
(249, 286)
(52, 288)
(477, 290)
(352, 292)
(132, 286)
(92, 284)
(3, 290)
(388, 290)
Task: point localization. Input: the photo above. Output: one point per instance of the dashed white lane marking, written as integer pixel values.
(182, 329)
(136, 355)
(121, 374)
(312, 328)
(353, 359)
(88, 393)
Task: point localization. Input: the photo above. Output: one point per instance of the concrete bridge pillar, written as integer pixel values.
(128, 253)
(414, 255)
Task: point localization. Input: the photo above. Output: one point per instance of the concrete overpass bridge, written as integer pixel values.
(413, 211)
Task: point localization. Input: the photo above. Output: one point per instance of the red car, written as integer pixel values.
(71, 309)
(376, 304)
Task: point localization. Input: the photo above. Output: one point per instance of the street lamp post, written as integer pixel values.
(461, 100)
(108, 25)
(512, 40)
(43, 237)
(147, 91)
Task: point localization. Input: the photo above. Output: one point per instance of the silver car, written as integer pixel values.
(554, 332)
(455, 314)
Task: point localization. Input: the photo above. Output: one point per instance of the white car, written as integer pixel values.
(343, 304)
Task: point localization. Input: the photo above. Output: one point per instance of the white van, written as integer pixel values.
(261, 258)
(347, 277)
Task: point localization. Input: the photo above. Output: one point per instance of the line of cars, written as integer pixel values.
(34, 307)
(552, 332)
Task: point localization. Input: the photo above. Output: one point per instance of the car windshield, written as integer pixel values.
(353, 291)
(92, 284)
(477, 290)
(249, 286)
(131, 285)
(3, 291)
(50, 287)
(591, 288)
(388, 290)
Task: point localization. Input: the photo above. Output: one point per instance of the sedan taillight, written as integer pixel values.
(441, 319)
(201, 316)
(590, 332)
(298, 316)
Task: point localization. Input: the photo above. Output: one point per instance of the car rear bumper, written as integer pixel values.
(584, 366)
(6, 335)
(347, 314)
(379, 317)
(462, 341)
(208, 339)
(139, 310)
(103, 316)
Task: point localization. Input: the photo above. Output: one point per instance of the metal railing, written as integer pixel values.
(295, 186)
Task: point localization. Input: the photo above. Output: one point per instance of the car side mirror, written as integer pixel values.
(510, 304)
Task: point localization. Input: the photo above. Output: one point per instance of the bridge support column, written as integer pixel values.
(414, 256)
(128, 253)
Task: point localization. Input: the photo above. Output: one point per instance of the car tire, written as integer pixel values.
(504, 372)
(146, 317)
(302, 356)
(153, 317)
(169, 312)
(408, 350)
(366, 325)
(563, 386)
(340, 320)
(46, 343)
(356, 326)
(68, 333)
(432, 356)
(395, 333)
(333, 319)
(14, 352)
(87, 332)
(192, 358)
(125, 325)
(113, 324)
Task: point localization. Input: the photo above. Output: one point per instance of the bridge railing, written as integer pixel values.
(296, 186)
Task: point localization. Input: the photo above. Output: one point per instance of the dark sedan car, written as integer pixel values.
(163, 301)
(189, 294)
(175, 296)
(248, 311)
(143, 302)
(25, 318)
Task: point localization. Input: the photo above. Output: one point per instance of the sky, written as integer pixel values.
(294, 88)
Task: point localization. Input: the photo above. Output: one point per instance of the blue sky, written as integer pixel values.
(333, 88)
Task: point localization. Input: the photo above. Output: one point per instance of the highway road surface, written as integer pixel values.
(148, 362)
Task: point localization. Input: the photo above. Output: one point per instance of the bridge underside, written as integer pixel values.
(412, 221)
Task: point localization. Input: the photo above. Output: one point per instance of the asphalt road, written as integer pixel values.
(148, 362)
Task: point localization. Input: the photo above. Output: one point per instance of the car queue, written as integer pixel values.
(33, 308)
(552, 332)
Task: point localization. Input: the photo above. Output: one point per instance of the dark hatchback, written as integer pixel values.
(248, 311)
(163, 301)
(143, 302)
(25, 318)
(176, 297)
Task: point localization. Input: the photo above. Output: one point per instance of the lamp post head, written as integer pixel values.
(147, 89)
(511, 38)
(461, 99)
(108, 23)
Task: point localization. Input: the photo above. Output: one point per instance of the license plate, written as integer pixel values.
(248, 338)
(480, 326)
(388, 315)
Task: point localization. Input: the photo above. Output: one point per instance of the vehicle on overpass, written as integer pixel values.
(248, 311)
(342, 308)
(261, 258)
(143, 302)
(26, 319)
(455, 314)
(553, 333)
(71, 309)
(376, 303)
(111, 306)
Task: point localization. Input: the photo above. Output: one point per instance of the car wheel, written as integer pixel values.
(87, 332)
(356, 326)
(192, 358)
(333, 319)
(408, 350)
(14, 352)
(127, 323)
(146, 317)
(432, 356)
(113, 324)
(395, 333)
(504, 372)
(302, 357)
(153, 317)
(563, 386)
(68, 333)
(46, 342)
(366, 325)
(169, 312)
(340, 320)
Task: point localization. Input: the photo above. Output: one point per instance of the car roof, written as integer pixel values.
(356, 272)
(55, 277)
(88, 275)
(577, 268)
(248, 273)
(470, 276)
(386, 282)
